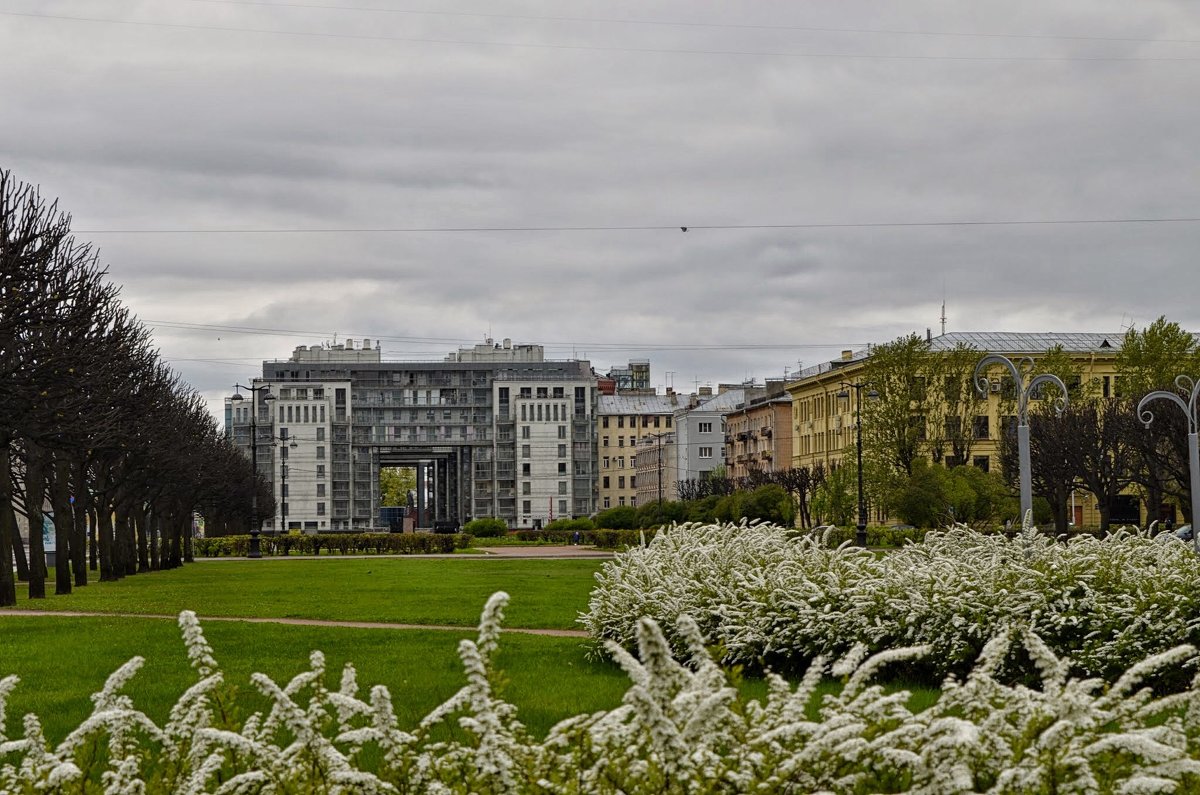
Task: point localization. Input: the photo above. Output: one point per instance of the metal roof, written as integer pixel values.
(640, 404)
(997, 342)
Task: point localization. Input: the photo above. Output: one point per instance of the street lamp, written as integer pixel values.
(284, 444)
(982, 386)
(255, 550)
(1191, 388)
(861, 534)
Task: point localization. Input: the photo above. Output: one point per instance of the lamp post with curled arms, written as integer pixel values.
(1024, 390)
(1191, 388)
(255, 550)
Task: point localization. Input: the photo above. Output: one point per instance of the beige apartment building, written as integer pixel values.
(823, 410)
(758, 434)
(622, 422)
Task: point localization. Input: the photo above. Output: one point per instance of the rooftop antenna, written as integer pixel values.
(943, 306)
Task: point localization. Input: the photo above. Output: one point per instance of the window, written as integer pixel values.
(525, 470)
(322, 413)
(604, 422)
(604, 442)
(525, 506)
(604, 464)
(320, 470)
(980, 428)
(524, 431)
(320, 434)
(620, 462)
(562, 451)
(633, 481)
(320, 452)
(656, 420)
(562, 468)
(705, 427)
(606, 481)
(645, 422)
(543, 392)
(318, 393)
(607, 502)
(524, 451)
(621, 421)
(558, 392)
(668, 422)
(526, 392)
(562, 487)
(982, 462)
(633, 501)
(620, 500)
(562, 431)
(306, 413)
(320, 509)
(562, 507)
(320, 489)
(283, 492)
(706, 452)
(621, 482)
(620, 441)
(526, 487)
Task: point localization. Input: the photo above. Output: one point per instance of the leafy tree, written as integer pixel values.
(834, 501)
(486, 527)
(657, 514)
(395, 483)
(1148, 360)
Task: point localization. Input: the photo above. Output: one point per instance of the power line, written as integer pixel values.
(646, 228)
(590, 346)
(707, 25)
(589, 48)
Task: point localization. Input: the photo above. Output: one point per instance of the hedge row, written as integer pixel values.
(604, 539)
(345, 543)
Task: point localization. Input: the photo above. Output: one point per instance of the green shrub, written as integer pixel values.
(342, 543)
(623, 517)
(570, 526)
(486, 527)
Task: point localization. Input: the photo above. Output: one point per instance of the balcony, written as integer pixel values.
(766, 430)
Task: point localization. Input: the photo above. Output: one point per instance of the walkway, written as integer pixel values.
(304, 622)
(499, 553)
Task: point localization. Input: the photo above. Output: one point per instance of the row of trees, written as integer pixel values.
(97, 433)
(927, 409)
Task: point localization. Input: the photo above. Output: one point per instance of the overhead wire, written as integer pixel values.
(697, 24)
(595, 48)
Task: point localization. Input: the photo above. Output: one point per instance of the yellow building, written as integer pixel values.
(823, 400)
(622, 421)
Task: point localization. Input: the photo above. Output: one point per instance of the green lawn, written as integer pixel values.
(545, 593)
(63, 660)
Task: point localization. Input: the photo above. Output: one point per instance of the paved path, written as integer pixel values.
(495, 553)
(304, 622)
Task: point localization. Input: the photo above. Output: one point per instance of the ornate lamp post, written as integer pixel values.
(284, 444)
(1023, 392)
(861, 532)
(255, 548)
(1191, 388)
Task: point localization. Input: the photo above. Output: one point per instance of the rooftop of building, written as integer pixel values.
(639, 404)
(1006, 342)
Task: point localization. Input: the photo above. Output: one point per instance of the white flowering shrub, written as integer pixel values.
(681, 729)
(764, 594)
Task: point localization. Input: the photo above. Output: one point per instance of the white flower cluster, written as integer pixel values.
(681, 729)
(765, 594)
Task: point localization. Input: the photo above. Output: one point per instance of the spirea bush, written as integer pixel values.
(765, 594)
(681, 728)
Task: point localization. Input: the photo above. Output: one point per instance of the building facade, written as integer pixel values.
(623, 421)
(823, 410)
(656, 463)
(493, 430)
(758, 433)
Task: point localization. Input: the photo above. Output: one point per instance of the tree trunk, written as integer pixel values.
(155, 520)
(8, 529)
(35, 494)
(143, 539)
(83, 532)
(104, 533)
(64, 526)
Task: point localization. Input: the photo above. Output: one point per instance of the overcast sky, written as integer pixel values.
(828, 120)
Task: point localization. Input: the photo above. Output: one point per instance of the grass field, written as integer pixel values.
(545, 593)
(62, 660)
